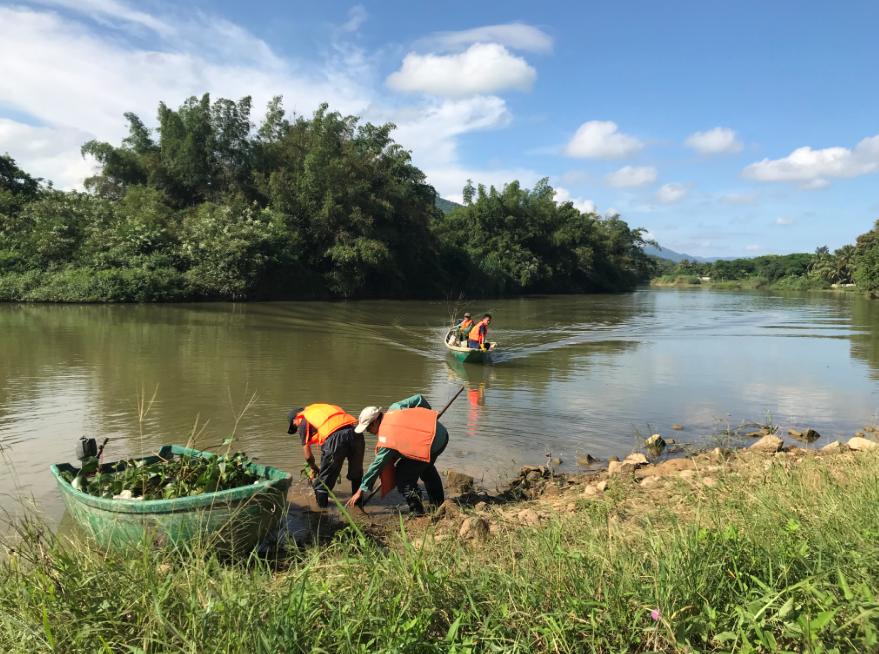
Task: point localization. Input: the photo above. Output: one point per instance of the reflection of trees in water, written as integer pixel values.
(198, 354)
(865, 344)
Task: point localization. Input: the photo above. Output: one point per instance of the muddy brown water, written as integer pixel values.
(574, 374)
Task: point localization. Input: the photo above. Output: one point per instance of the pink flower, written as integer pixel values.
(656, 614)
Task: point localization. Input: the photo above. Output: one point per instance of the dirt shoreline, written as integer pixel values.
(538, 492)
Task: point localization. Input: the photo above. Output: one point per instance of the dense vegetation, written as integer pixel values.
(782, 558)
(210, 206)
(850, 264)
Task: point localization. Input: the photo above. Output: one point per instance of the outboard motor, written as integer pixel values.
(86, 448)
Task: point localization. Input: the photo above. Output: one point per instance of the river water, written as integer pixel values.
(574, 374)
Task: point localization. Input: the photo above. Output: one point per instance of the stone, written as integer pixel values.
(795, 433)
(687, 474)
(570, 507)
(601, 486)
(528, 517)
(711, 482)
(656, 444)
(756, 434)
(636, 459)
(458, 482)
(833, 447)
(551, 490)
(586, 460)
(556, 461)
(647, 482)
(533, 476)
(677, 427)
(810, 435)
(860, 444)
(672, 466)
(614, 458)
(860, 434)
(473, 528)
(448, 509)
(481, 507)
(615, 468)
(769, 443)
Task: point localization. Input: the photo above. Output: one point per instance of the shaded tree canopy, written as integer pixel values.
(209, 204)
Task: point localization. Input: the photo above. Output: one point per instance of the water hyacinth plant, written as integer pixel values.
(164, 479)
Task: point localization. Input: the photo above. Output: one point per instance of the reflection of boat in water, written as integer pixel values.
(469, 375)
(466, 354)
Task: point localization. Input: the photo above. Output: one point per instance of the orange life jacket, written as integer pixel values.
(466, 324)
(323, 420)
(477, 334)
(408, 431)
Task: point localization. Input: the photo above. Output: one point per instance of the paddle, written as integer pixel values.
(438, 416)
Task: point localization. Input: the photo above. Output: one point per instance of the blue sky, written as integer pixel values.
(723, 128)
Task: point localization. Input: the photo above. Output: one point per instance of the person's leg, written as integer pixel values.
(332, 456)
(434, 484)
(355, 461)
(407, 472)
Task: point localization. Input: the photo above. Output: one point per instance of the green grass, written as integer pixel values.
(778, 559)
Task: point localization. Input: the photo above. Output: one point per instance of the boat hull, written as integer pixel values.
(468, 355)
(232, 521)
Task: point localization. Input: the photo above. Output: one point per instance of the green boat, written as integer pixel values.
(233, 521)
(466, 354)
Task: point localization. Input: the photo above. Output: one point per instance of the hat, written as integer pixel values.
(290, 418)
(368, 414)
(466, 314)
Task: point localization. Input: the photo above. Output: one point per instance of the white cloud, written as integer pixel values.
(753, 248)
(720, 140)
(356, 17)
(49, 152)
(629, 176)
(813, 167)
(671, 193)
(582, 205)
(738, 198)
(481, 68)
(784, 220)
(429, 129)
(601, 139)
(109, 11)
(517, 36)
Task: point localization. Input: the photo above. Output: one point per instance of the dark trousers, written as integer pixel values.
(409, 471)
(341, 445)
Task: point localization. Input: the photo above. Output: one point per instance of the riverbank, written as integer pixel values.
(748, 284)
(722, 551)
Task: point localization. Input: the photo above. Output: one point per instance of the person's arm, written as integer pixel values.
(303, 430)
(382, 457)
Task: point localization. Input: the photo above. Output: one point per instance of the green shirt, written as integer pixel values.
(386, 455)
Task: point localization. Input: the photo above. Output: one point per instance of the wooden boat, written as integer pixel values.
(233, 521)
(466, 354)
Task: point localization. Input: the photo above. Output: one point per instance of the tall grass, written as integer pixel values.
(781, 559)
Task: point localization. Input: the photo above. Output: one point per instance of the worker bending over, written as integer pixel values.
(410, 438)
(332, 428)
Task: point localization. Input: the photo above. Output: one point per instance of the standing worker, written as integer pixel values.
(410, 438)
(332, 428)
(476, 337)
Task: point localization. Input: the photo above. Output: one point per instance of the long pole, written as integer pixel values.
(438, 416)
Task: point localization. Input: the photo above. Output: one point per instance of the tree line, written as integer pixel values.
(209, 205)
(856, 265)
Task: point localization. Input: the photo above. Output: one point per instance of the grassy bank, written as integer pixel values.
(800, 283)
(775, 553)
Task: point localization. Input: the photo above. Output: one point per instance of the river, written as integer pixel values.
(575, 374)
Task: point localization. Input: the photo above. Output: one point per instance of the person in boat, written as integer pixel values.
(477, 334)
(463, 328)
(410, 438)
(330, 427)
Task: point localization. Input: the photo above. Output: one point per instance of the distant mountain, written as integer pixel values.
(671, 255)
(446, 206)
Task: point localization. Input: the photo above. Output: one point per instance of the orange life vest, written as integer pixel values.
(475, 333)
(323, 420)
(466, 324)
(408, 431)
